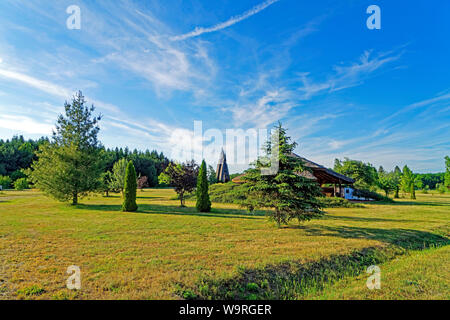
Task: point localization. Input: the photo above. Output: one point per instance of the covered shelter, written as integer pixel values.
(331, 182)
(325, 176)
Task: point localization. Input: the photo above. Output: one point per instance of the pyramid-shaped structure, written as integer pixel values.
(222, 173)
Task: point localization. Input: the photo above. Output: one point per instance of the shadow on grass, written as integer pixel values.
(293, 279)
(404, 238)
(177, 210)
(137, 197)
(414, 203)
(365, 219)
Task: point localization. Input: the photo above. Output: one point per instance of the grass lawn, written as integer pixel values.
(154, 252)
(419, 275)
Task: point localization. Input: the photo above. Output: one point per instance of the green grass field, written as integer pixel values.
(166, 252)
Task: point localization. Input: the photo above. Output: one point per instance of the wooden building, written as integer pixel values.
(331, 182)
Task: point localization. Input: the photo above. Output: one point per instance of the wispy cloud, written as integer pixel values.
(51, 88)
(233, 20)
(140, 48)
(443, 98)
(273, 105)
(347, 76)
(421, 141)
(42, 85)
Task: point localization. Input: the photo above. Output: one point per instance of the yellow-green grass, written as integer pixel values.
(418, 275)
(147, 254)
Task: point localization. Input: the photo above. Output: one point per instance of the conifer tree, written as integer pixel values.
(203, 203)
(447, 173)
(290, 194)
(413, 191)
(408, 182)
(130, 187)
(70, 166)
(397, 179)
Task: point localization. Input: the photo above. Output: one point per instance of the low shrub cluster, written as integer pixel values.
(229, 192)
(5, 182)
(339, 203)
(372, 195)
(21, 184)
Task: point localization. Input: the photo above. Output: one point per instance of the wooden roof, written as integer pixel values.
(323, 174)
(318, 173)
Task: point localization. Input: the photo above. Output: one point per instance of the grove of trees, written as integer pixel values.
(364, 174)
(369, 179)
(73, 163)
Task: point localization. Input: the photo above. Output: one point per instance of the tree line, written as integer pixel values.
(367, 177)
(74, 163)
(18, 154)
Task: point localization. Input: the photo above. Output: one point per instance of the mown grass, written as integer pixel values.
(416, 275)
(294, 280)
(154, 252)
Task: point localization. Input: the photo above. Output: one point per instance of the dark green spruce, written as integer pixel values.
(287, 192)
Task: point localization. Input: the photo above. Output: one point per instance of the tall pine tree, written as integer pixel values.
(287, 192)
(130, 188)
(69, 167)
(203, 203)
(397, 180)
(447, 173)
(408, 181)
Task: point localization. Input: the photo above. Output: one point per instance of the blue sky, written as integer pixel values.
(154, 67)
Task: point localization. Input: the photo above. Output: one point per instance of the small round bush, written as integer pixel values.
(21, 184)
(5, 182)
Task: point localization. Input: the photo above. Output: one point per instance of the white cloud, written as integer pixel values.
(233, 20)
(25, 124)
(271, 106)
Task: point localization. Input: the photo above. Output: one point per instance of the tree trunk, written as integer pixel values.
(396, 193)
(75, 198)
(413, 193)
(278, 218)
(181, 200)
(107, 193)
